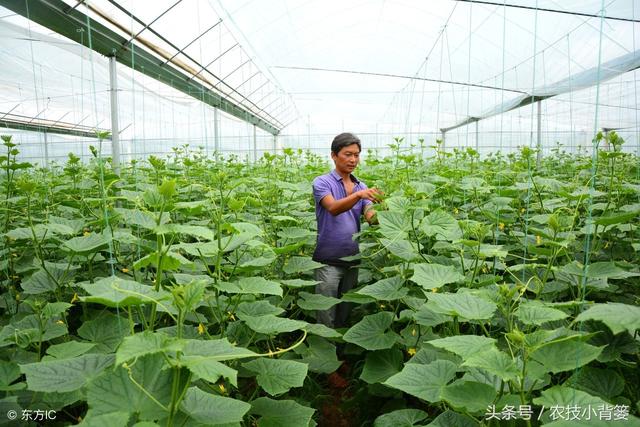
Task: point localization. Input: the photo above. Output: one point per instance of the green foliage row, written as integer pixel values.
(180, 291)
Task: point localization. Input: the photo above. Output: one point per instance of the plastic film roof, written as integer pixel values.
(323, 52)
(312, 66)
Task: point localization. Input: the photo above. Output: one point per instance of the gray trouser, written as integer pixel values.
(335, 282)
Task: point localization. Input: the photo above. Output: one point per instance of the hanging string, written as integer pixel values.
(635, 92)
(594, 164)
(33, 70)
(571, 141)
(469, 71)
(504, 48)
(99, 157)
(529, 172)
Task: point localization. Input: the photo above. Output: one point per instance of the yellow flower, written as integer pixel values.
(86, 233)
(125, 270)
(411, 351)
(522, 210)
(222, 388)
(538, 240)
(434, 290)
(231, 316)
(200, 329)
(455, 211)
(60, 322)
(74, 298)
(501, 226)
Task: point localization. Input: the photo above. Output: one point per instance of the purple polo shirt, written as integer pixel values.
(335, 233)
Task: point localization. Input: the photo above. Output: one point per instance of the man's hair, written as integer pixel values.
(343, 140)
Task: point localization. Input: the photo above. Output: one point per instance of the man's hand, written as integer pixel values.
(372, 194)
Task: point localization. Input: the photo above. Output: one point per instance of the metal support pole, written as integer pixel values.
(115, 132)
(275, 144)
(443, 139)
(46, 150)
(477, 134)
(539, 143)
(216, 131)
(255, 145)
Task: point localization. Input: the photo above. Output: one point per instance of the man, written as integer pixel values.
(341, 199)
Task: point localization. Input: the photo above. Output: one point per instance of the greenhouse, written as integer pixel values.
(297, 213)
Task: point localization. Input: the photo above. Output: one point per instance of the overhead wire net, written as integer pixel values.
(382, 69)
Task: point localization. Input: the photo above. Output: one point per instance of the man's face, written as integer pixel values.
(347, 158)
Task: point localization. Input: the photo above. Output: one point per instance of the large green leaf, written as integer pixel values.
(400, 418)
(139, 218)
(495, 362)
(403, 249)
(66, 374)
(464, 345)
(565, 396)
(145, 343)
(114, 291)
(281, 413)
(427, 317)
(441, 225)
(69, 349)
(9, 372)
(567, 355)
(278, 376)
(469, 396)
(86, 244)
(114, 391)
(593, 410)
(251, 285)
(463, 305)
(380, 365)
(431, 276)
(453, 419)
(322, 330)
(536, 313)
(105, 331)
(198, 231)
(598, 270)
(617, 316)
(371, 332)
(389, 289)
(42, 281)
(298, 264)
(424, 381)
(105, 420)
(319, 354)
(605, 383)
(257, 308)
(218, 350)
(198, 249)
(394, 225)
(208, 369)
(168, 260)
(308, 301)
(270, 324)
(213, 410)
(616, 218)
(299, 283)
